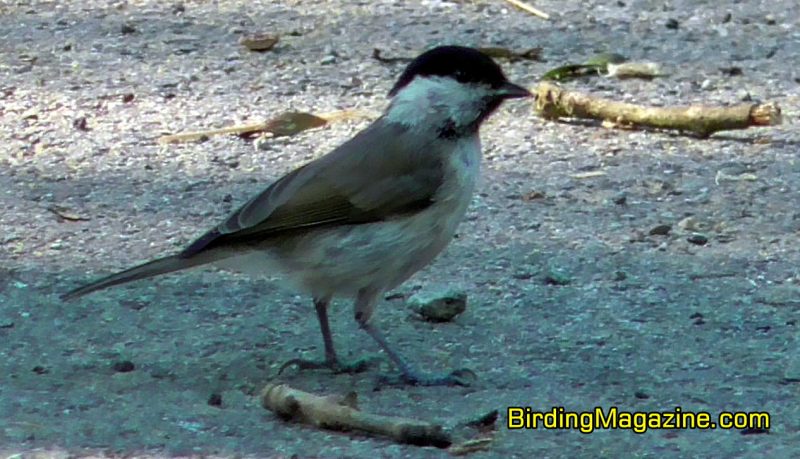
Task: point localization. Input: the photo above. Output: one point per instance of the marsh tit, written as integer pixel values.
(362, 219)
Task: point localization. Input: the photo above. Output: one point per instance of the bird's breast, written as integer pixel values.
(461, 171)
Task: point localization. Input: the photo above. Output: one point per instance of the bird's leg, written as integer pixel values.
(364, 307)
(321, 306)
(331, 360)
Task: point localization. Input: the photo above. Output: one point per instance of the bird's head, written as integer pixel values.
(451, 89)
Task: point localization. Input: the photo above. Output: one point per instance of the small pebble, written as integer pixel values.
(660, 230)
(215, 399)
(672, 23)
(697, 318)
(698, 239)
(557, 277)
(691, 224)
(40, 370)
(127, 29)
(732, 70)
(442, 306)
(80, 124)
(522, 275)
(124, 366)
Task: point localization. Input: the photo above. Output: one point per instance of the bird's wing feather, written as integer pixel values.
(356, 183)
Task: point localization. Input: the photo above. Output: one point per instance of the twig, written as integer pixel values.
(552, 102)
(525, 7)
(341, 413)
(377, 54)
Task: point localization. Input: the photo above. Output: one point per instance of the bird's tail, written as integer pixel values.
(143, 271)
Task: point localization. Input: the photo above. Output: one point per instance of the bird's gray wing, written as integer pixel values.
(381, 173)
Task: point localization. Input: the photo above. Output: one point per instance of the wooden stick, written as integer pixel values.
(525, 7)
(553, 102)
(341, 413)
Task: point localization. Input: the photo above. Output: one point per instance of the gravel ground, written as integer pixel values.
(635, 320)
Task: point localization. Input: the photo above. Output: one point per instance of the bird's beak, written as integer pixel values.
(512, 91)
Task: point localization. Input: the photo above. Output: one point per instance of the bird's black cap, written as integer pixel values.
(466, 65)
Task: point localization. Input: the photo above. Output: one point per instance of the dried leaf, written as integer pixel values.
(67, 214)
(565, 71)
(285, 124)
(259, 42)
(378, 56)
(291, 123)
(533, 196)
(595, 65)
(533, 54)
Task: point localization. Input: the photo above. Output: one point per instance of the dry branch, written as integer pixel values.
(525, 7)
(553, 102)
(341, 413)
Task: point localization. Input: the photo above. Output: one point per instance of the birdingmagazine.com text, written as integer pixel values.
(559, 418)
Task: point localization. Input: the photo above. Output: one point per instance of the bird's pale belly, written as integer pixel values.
(344, 260)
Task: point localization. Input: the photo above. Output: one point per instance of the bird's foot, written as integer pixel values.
(461, 377)
(335, 365)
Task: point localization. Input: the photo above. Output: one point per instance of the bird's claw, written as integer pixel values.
(335, 366)
(461, 377)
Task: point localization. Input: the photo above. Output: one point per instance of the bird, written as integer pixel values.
(363, 218)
